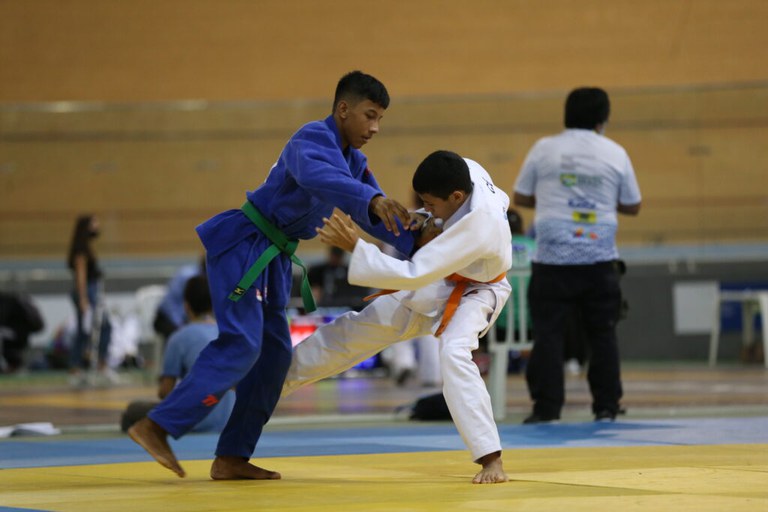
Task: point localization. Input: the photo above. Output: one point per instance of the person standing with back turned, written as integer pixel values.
(577, 180)
(249, 255)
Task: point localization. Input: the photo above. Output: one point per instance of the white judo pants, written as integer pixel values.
(401, 356)
(354, 337)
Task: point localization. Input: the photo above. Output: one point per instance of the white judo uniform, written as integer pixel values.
(475, 244)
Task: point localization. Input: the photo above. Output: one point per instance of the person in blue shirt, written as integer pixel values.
(248, 258)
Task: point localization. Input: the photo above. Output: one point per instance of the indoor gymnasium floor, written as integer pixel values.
(694, 438)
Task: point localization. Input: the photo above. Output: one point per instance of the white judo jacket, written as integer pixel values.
(475, 243)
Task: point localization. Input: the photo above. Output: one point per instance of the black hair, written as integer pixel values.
(586, 107)
(197, 295)
(357, 86)
(81, 239)
(442, 173)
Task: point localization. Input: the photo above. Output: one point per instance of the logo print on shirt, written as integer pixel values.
(572, 179)
(490, 186)
(580, 233)
(210, 401)
(569, 180)
(584, 217)
(582, 202)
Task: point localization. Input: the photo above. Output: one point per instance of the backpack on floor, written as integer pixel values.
(431, 408)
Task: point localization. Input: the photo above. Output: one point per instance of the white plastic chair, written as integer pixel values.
(148, 298)
(500, 349)
(753, 303)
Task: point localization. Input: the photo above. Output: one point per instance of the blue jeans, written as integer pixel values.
(78, 354)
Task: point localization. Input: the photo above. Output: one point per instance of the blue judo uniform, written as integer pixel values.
(253, 350)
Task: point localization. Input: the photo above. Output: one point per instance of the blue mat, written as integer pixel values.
(396, 438)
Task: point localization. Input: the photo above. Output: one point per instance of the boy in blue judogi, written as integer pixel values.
(249, 256)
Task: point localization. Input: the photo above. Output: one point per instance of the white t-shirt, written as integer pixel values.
(578, 177)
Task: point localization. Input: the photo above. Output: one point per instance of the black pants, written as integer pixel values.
(553, 293)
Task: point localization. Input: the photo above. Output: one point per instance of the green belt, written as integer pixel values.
(280, 243)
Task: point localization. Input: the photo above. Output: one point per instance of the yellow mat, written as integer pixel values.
(719, 478)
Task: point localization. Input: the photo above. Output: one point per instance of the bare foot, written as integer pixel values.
(151, 436)
(492, 472)
(238, 468)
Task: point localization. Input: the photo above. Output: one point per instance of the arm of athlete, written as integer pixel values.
(388, 210)
(339, 231)
(342, 232)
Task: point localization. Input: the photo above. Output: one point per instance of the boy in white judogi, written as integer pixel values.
(453, 287)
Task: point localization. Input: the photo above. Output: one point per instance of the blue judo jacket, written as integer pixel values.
(310, 178)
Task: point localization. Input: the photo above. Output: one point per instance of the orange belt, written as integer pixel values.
(453, 299)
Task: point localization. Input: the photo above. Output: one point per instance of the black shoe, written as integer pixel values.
(607, 415)
(540, 418)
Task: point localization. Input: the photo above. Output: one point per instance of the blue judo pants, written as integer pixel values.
(251, 354)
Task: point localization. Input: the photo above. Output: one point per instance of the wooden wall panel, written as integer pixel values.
(174, 109)
(144, 50)
(152, 174)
